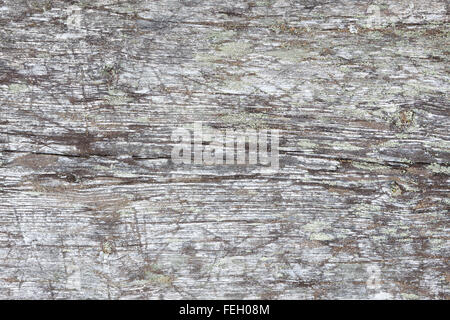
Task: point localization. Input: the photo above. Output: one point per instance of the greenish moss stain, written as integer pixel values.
(366, 210)
(396, 190)
(18, 88)
(305, 144)
(315, 226)
(234, 49)
(159, 279)
(117, 97)
(248, 120)
(126, 212)
(228, 50)
(321, 237)
(219, 36)
(292, 55)
(237, 85)
(153, 274)
(108, 247)
(409, 296)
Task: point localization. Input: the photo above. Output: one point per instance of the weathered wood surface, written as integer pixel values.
(91, 205)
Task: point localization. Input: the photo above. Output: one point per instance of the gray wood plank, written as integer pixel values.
(92, 205)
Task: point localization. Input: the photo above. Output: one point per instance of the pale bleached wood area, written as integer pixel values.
(93, 207)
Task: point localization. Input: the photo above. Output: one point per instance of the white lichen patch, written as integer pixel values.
(234, 49)
(437, 245)
(437, 168)
(409, 296)
(315, 226)
(219, 36)
(126, 211)
(378, 238)
(158, 279)
(366, 210)
(205, 58)
(229, 50)
(18, 88)
(438, 144)
(143, 119)
(389, 144)
(238, 86)
(248, 120)
(124, 174)
(115, 97)
(292, 55)
(416, 89)
(230, 265)
(321, 237)
(305, 144)
(390, 231)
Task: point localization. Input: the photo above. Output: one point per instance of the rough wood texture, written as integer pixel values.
(91, 205)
